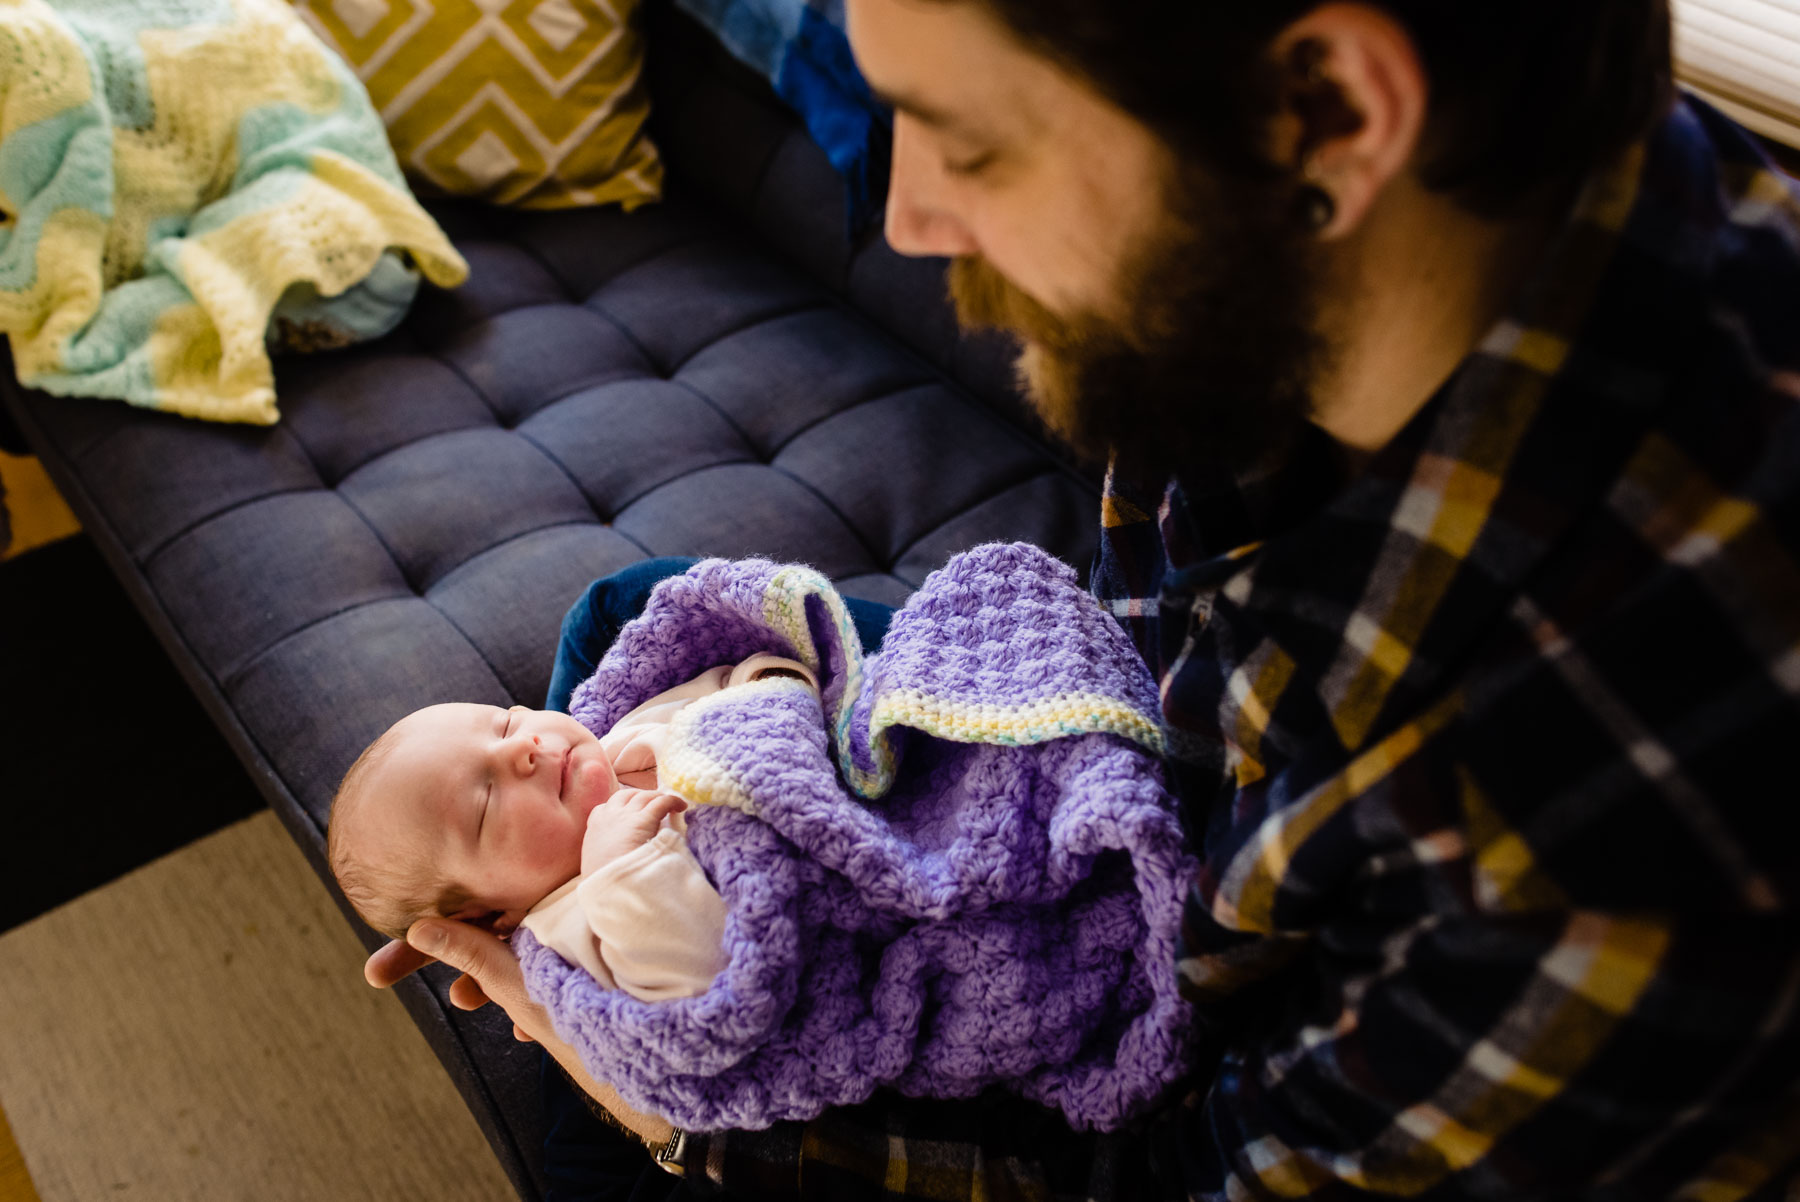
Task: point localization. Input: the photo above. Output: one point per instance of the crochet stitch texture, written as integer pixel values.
(170, 169)
(907, 906)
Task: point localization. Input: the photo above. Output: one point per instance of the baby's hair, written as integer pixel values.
(388, 903)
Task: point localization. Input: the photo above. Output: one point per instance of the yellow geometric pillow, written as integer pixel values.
(534, 103)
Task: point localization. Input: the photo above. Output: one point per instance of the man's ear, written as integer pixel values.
(1355, 98)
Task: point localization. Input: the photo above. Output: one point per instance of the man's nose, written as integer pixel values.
(919, 222)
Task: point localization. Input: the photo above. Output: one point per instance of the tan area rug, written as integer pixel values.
(15, 1184)
(199, 1031)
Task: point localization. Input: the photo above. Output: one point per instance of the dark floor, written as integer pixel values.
(106, 760)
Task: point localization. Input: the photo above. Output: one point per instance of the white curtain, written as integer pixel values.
(1744, 56)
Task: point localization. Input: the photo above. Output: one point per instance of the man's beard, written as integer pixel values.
(1210, 367)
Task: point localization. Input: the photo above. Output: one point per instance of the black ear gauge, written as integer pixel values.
(1316, 207)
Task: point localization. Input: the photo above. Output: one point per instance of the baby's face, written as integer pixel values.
(494, 800)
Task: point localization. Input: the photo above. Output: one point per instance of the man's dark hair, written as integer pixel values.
(1526, 95)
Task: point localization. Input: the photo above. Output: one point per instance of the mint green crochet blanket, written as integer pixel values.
(187, 184)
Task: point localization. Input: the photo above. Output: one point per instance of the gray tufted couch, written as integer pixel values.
(723, 374)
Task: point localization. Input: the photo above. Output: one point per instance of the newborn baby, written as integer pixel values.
(949, 866)
(518, 817)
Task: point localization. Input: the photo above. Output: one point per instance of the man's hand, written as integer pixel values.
(390, 965)
(623, 823)
(490, 973)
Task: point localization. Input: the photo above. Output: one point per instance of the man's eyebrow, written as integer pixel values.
(923, 111)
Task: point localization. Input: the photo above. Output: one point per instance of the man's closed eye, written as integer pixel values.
(967, 168)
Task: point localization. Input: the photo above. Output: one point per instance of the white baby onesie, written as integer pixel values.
(649, 922)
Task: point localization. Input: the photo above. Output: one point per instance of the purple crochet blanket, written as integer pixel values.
(954, 867)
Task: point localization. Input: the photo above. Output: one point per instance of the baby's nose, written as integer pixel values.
(525, 752)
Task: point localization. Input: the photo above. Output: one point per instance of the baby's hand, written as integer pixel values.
(624, 822)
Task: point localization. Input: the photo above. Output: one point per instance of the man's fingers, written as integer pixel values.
(466, 993)
(393, 963)
(473, 951)
(491, 973)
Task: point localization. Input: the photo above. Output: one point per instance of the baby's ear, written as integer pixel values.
(497, 923)
(487, 921)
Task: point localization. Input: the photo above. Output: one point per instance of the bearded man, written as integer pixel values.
(1448, 368)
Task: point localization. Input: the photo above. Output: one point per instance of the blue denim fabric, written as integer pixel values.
(586, 1160)
(595, 620)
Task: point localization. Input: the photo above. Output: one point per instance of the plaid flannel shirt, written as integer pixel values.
(1485, 753)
